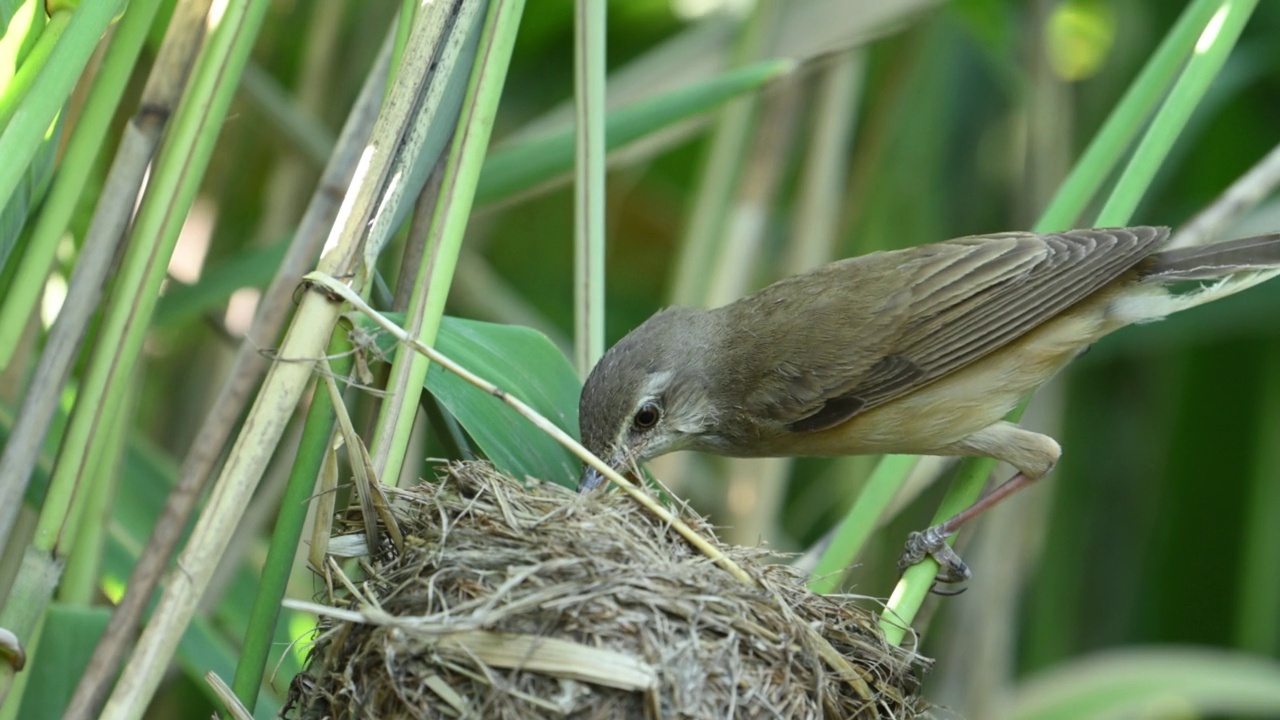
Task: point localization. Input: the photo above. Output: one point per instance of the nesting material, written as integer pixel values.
(512, 602)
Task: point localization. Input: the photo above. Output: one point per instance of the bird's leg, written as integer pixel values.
(933, 541)
(1032, 453)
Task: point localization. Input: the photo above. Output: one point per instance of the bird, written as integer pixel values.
(922, 350)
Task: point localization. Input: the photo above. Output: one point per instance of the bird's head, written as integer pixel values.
(649, 394)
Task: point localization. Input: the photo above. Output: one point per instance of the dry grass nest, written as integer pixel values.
(509, 602)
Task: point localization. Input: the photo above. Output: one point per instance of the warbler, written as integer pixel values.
(923, 350)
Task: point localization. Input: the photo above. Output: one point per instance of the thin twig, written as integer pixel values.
(1247, 191)
(229, 700)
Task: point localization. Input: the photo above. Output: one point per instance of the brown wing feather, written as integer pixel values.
(877, 327)
(1073, 265)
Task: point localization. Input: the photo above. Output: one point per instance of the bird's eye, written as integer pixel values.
(647, 416)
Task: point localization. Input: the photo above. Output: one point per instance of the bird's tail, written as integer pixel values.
(1216, 261)
(1235, 264)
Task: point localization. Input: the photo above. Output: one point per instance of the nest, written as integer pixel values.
(512, 602)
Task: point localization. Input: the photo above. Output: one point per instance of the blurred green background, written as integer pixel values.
(1161, 524)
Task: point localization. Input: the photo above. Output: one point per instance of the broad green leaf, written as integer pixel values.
(30, 191)
(522, 165)
(21, 22)
(66, 642)
(526, 364)
(1153, 683)
(59, 59)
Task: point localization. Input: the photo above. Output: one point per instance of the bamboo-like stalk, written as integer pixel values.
(47, 33)
(704, 238)
(1126, 121)
(365, 210)
(86, 142)
(816, 228)
(104, 386)
(588, 186)
(247, 369)
(105, 232)
(90, 514)
(1210, 53)
(430, 281)
(39, 404)
(74, 34)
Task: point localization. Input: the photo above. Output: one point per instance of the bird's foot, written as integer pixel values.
(933, 543)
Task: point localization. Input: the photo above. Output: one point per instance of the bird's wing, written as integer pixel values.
(931, 311)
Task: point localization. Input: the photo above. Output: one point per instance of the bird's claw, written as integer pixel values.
(932, 542)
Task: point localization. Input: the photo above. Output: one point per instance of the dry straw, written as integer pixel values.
(514, 602)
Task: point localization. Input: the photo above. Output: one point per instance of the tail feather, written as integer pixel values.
(1234, 265)
(1215, 261)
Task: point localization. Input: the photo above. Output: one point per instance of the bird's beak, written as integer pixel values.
(590, 480)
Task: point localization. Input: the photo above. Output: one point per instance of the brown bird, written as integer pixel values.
(918, 351)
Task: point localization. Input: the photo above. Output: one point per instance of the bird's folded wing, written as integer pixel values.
(946, 306)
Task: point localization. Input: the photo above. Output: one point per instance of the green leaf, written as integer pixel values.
(525, 363)
(1160, 682)
(21, 22)
(66, 642)
(30, 191)
(522, 165)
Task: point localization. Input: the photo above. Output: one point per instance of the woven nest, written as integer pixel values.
(507, 602)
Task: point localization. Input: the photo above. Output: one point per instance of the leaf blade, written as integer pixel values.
(525, 363)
